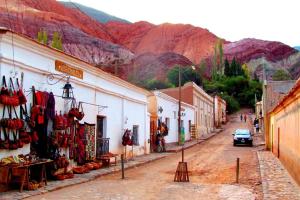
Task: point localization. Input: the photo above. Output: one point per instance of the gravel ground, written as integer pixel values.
(211, 166)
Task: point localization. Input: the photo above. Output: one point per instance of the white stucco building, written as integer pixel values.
(110, 102)
(164, 108)
(203, 103)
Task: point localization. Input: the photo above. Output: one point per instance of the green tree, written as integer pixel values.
(154, 84)
(42, 37)
(45, 38)
(233, 67)
(246, 71)
(227, 68)
(232, 104)
(281, 75)
(56, 41)
(220, 48)
(187, 75)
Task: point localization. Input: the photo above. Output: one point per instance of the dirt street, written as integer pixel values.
(211, 167)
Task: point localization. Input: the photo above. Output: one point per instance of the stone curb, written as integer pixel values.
(105, 171)
(261, 170)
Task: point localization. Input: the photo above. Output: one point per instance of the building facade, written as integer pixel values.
(165, 109)
(273, 92)
(219, 111)
(109, 103)
(284, 131)
(203, 103)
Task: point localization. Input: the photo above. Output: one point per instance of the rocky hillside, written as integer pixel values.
(192, 42)
(90, 43)
(100, 16)
(152, 49)
(248, 49)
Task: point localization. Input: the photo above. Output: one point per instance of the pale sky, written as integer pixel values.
(277, 20)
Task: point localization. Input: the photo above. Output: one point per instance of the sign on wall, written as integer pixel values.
(67, 69)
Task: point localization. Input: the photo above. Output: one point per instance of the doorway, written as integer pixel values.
(102, 144)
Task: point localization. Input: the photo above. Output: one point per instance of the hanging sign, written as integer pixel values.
(67, 69)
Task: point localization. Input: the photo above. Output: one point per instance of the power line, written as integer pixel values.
(12, 37)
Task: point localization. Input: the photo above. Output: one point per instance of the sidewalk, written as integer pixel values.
(81, 178)
(276, 181)
(174, 147)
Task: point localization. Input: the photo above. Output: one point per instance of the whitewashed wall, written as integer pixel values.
(122, 99)
(170, 110)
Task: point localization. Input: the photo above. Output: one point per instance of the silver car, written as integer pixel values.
(242, 136)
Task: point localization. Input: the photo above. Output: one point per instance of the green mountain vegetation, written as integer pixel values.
(230, 79)
(93, 13)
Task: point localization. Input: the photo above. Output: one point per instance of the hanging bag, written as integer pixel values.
(22, 97)
(14, 144)
(80, 113)
(4, 144)
(28, 119)
(73, 110)
(8, 96)
(23, 135)
(59, 122)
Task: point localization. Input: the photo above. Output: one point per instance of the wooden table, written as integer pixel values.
(106, 159)
(25, 176)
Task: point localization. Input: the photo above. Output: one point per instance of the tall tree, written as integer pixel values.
(187, 75)
(233, 67)
(281, 75)
(45, 37)
(246, 71)
(56, 41)
(227, 69)
(42, 37)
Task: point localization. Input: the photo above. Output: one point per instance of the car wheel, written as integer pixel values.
(251, 144)
(234, 144)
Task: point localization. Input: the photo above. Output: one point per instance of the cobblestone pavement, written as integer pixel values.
(211, 166)
(276, 181)
(82, 178)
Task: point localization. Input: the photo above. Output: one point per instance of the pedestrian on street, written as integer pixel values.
(257, 127)
(245, 118)
(241, 117)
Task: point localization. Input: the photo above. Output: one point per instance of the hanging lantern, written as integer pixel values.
(68, 91)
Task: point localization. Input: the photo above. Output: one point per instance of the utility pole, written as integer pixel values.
(179, 104)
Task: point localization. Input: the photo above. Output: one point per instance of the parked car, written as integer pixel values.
(242, 136)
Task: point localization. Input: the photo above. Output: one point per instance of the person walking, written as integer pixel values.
(241, 117)
(257, 127)
(245, 118)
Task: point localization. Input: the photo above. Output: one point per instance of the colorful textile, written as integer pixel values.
(89, 130)
(50, 109)
(80, 142)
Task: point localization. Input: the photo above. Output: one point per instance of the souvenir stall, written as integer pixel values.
(53, 139)
(67, 131)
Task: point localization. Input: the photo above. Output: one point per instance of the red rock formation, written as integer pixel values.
(152, 66)
(155, 46)
(247, 49)
(83, 37)
(192, 42)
